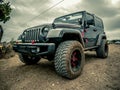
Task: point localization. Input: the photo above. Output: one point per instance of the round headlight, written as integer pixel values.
(45, 31)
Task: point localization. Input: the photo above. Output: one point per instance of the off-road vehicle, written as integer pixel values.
(64, 41)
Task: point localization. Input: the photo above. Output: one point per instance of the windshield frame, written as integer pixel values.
(75, 18)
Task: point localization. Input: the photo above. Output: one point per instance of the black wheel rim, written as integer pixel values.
(75, 60)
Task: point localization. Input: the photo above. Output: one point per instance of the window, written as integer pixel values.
(98, 22)
(90, 19)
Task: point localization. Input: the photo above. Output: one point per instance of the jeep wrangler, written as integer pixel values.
(64, 41)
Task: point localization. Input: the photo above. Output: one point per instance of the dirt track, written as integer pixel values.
(98, 74)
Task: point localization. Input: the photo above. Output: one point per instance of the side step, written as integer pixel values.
(90, 48)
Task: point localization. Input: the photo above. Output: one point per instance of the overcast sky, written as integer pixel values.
(28, 13)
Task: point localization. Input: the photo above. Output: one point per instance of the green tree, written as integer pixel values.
(5, 11)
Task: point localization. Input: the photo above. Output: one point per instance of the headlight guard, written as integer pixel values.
(45, 31)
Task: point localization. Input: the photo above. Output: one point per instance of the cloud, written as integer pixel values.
(114, 34)
(113, 23)
(106, 10)
(102, 8)
(23, 11)
(27, 13)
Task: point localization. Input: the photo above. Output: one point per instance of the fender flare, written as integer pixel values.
(59, 33)
(54, 33)
(100, 37)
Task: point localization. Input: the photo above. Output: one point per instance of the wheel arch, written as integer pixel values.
(66, 34)
(100, 38)
(73, 36)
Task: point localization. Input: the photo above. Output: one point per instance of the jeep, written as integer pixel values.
(64, 41)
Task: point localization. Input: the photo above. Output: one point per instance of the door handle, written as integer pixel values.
(94, 30)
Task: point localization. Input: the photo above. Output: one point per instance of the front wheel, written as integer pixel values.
(69, 59)
(28, 59)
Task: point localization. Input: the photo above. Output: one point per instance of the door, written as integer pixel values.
(90, 31)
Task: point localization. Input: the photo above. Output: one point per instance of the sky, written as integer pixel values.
(28, 13)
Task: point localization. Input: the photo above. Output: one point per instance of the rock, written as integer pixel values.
(53, 84)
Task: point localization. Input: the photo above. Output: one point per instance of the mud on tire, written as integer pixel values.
(102, 50)
(69, 59)
(28, 59)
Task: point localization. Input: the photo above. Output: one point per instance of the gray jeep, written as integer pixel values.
(64, 41)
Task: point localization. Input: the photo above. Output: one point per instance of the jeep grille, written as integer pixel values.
(32, 34)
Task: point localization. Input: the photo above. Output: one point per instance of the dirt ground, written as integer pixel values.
(98, 74)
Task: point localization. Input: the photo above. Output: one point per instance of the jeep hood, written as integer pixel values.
(65, 25)
(57, 25)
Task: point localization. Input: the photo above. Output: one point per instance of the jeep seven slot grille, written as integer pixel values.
(32, 34)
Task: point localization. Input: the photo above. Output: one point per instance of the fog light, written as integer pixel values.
(33, 51)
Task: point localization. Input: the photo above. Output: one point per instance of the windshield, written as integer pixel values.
(72, 18)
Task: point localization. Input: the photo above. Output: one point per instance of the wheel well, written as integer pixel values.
(100, 38)
(104, 37)
(71, 36)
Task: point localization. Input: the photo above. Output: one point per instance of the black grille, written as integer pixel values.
(32, 34)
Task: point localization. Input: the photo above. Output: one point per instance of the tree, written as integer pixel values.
(5, 11)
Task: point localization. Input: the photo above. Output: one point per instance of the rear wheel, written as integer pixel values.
(69, 59)
(28, 59)
(102, 50)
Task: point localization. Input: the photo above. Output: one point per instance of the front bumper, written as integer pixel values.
(37, 49)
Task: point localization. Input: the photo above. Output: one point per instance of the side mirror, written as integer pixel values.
(90, 22)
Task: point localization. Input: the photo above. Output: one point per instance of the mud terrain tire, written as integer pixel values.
(102, 50)
(69, 59)
(28, 60)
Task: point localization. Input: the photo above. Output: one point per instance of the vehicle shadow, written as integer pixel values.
(46, 67)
